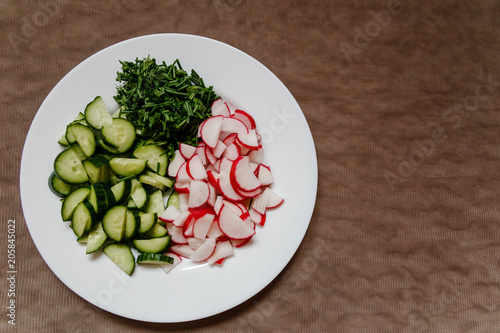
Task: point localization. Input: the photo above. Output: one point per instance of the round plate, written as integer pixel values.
(190, 291)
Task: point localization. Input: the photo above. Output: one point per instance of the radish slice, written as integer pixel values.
(226, 188)
(222, 251)
(259, 203)
(248, 140)
(242, 176)
(187, 228)
(274, 199)
(169, 214)
(168, 267)
(187, 151)
(264, 175)
(195, 168)
(232, 225)
(200, 151)
(256, 217)
(256, 156)
(219, 149)
(233, 125)
(182, 174)
(240, 242)
(245, 118)
(181, 219)
(210, 131)
(183, 201)
(202, 225)
(199, 193)
(195, 243)
(183, 250)
(175, 164)
(219, 107)
(214, 231)
(176, 234)
(232, 152)
(229, 139)
(210, 155)
(182, 186)
(218, 204)
(213, 195)
(204, 251)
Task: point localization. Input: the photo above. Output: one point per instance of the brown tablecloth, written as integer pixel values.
(402, 98)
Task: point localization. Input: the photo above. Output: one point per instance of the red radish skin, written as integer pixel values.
(175, 164)
(232, 125)
(245, 118)
(176, 234)
(210, 132)
(169, 214)
(242, 176)
(219, 107)
(232, 225)
(195, 168)
(187, 151)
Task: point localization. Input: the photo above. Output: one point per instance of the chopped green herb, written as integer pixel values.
(163, 102)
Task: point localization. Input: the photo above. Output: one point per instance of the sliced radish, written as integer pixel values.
(210, 131)
(182, 186)
(232, 225)
(187, 151)
(242, 176)
(212, 177)
(219, 149)
(274, 199)
(225, 165)
(199, 193)
(214, 231)
(219, 107)
(211, 158)
(226, 188)
(195, 242)
(240, 242)
(175, 164)
(264, 175)
(202, 225)
(233, 125)
(218, 204)
(213, 195)
(230, 138)
(256, 156)
(176, 234)
(256, 217)
(183, 201)
(169, 214)
(168, 267)
(232, 152)
(245, 118)
(248, 140)
(195, 168)
(183, 250)
(204, 251)
(259, 203)
(187, 228)
(182, 174)
(222, 251)
(181, 218)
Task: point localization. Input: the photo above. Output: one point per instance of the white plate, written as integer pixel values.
(191, 291)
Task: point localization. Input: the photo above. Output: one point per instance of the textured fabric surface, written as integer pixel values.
(402, 98)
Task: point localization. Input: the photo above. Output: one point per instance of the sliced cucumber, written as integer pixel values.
(139, 194)
(98, 197)
(69, 168)
(132, 224)
(121, 190)
(157, 231)
(156, 157)
(147, 222)
(154, 258)
(84, 136)
(173, 199)
(83, 218)
(59, 187)
(113, 222)
(97, 168)
(119, 135)
(126, 167)
(80, 118)
(122, 256)
(79, 152)
(155, 180)
(97, 114)
(72, 200)
(155, 203)
(96, 238)
(153, 245)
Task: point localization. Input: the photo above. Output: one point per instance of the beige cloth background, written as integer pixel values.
(402, 98)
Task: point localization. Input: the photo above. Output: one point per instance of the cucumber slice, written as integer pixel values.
(119, 135)
(155, 203)
(139, 194)
(79, 152)
(156, 157)
(122, 256)
(173, 200)
(155, 180)
(132, 224)
(98, 197)
(154, 258)
(157, 231)
(121, 190)
(84, 136)
(153, 245)
(96, 238)
(97, 168)
(147, 221)
(97, 114)
(83, 218)
(58, 187)
(80, 118)
(72, 200)
(69, 168)
(126, 167)
(113, 222)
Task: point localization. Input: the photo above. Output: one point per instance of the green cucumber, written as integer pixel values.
(114, 221)
(122, 256)
(97, 114)
(69, 168)
(153, 245)
(96, 238)
(82, 135)
(58, 187)
(126, 167)
(83, 218)
(121, 190)
(154, 258)
(97, 168)
(120, 135)
(72, 200)
(156, 157)
(147, 222)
